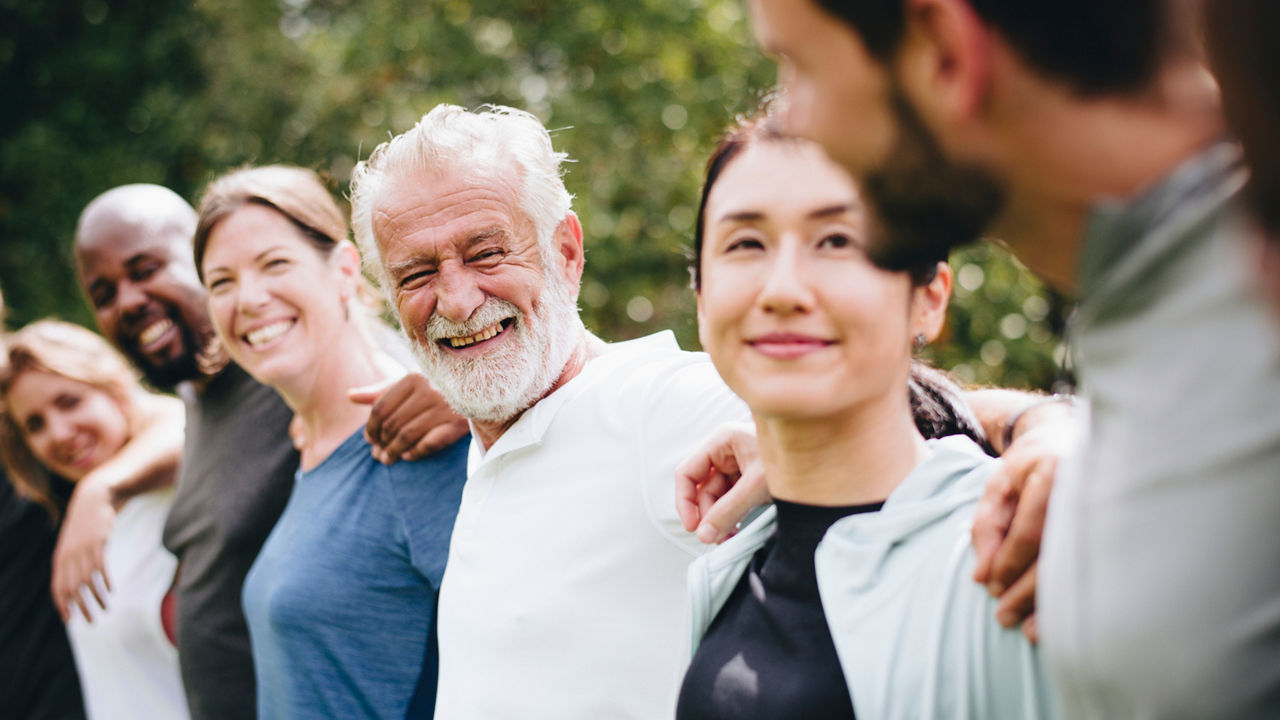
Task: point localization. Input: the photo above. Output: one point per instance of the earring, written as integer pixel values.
(919, 341)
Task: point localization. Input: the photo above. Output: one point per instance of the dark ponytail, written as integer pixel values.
(940, 409)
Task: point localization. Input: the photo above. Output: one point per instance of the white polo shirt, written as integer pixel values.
(565, 592)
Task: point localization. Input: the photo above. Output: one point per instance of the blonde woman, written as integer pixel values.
(70, 404)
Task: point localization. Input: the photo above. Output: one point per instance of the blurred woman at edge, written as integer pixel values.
(71, 403)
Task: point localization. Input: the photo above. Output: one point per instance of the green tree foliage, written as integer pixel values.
(106, 92)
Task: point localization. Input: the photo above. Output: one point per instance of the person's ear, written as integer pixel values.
(944, 63)
(929, 304)
(568, 250)
(345, 261)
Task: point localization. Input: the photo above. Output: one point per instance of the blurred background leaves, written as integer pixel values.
(99, 93)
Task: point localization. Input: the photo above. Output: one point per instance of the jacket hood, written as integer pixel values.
(953, 476)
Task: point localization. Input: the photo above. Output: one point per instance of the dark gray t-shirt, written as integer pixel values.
(237, 471)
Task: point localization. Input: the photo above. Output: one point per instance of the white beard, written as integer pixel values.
(498, 386)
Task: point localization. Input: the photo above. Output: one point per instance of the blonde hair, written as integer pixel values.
(60, 348)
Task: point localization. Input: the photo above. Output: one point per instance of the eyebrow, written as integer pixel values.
(256, 258)
(833, 210)
(266, 252)
(394, 269)
(139, 258)
(485, 234)
(755, 215)
(741, 216)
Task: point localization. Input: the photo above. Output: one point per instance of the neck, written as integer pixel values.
(852, 459)
(1065, 154)
(588, 347)
(319, 399)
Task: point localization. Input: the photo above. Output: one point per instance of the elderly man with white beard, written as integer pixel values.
(564, 591)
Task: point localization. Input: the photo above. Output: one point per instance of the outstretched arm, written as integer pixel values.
(149, 461)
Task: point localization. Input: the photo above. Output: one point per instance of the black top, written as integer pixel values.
(768, 653)
(237, 472)
(37, 671)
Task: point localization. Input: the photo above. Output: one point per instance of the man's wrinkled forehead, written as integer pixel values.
(421, 192)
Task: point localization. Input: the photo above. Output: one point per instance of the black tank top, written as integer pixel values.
(769, 653)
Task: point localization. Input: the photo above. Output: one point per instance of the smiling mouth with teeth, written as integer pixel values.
(267, 333)
(154, 331)
(485, 334)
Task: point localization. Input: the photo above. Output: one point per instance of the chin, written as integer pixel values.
(790, 403)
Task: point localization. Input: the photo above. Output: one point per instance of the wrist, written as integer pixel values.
(1017, 423)
(101, 487)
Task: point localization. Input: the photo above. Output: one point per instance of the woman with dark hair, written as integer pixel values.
(69, 403)
(852, 595)
(340, 601)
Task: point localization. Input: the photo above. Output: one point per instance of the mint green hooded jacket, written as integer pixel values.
(916, 637)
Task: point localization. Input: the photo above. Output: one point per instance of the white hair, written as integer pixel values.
(451, 139)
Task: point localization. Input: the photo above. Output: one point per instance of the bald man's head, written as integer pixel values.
(133, 256)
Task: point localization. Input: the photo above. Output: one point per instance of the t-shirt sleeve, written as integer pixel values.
(427, 493)
(682, 407)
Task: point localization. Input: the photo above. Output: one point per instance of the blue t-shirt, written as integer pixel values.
(341, 599)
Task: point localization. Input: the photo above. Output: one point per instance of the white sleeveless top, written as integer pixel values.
(128, 668)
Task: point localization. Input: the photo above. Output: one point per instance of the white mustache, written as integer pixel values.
(493, 311)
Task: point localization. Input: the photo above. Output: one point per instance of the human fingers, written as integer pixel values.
(713, 457)
(69, 567)
(690, 475)
(406, 412)
(991, 521)
(99, 567)
(711, 491)
(1021, 545)
(1019, 601)
(420, 433)
(441, 436)
(720, 520)
(62, 601)
(1031, 629)
(368, 394)
(96, 594)
(382, 397)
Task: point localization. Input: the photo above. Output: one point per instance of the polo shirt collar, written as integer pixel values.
(532, 426)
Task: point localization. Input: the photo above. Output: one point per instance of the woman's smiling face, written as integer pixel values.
(796, 318)
(275, 300)
(70, 426)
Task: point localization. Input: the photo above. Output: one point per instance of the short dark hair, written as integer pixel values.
(1097, 47)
